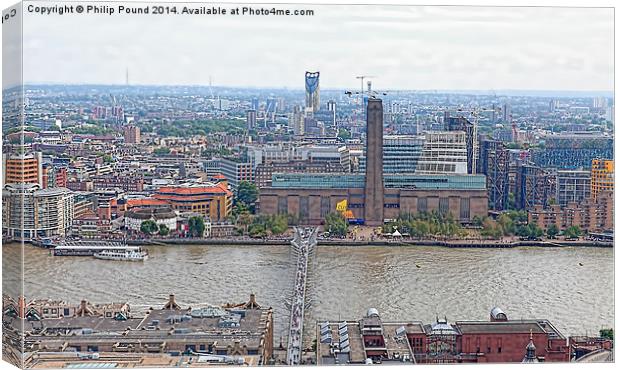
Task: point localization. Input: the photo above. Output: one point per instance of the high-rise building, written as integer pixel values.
(534, 186)
(572, 186)
(236, 171)
(331, 106)
(554, 104)
(271, 106)
(296, 121)
(471, 141)
(313, 101)
(599, 102)
(251, 119)
(400, 154)
(28, 211)
(602, 175)
(507, 112)
(443, 152)
(494, 163)
(23, 168)
(373, 189)
(255, 104)
(131, 134)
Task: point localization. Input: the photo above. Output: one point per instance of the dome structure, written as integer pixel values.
(372, 312)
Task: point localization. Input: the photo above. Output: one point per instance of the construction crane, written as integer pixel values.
(361, 78)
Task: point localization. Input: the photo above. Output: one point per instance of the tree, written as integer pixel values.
(149, 227)
(523, 231)
(336, 224)
(573, 232)
(552, 231)
(257, 230)
(507, 224)
(477, 221)
(161, 151)
(163, 230)
(196, 226)
(279, 224)
(491, 229)
(247, 193)
(344, 134)
(535, 231)
(244, 220)
(607, 333)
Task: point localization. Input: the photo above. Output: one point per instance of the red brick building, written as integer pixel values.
(498, 340)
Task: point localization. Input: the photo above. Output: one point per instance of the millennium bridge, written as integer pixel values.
(304, 245)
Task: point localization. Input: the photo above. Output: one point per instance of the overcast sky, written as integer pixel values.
(443, 48)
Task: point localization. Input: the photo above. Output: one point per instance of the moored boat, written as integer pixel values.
(90, 247)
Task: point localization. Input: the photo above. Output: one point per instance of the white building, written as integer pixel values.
(29, 211)
(162, 216)
(443, 153)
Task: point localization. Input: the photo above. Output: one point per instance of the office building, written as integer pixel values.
(235, 171)
(443, 152)
(401, 154)
(211, 200)
(23, 168)
(461, 123)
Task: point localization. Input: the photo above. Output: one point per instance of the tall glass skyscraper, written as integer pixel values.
(313, 101)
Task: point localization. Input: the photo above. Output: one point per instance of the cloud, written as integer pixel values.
(420, 47)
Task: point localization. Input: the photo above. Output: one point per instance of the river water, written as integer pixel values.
(572, 286)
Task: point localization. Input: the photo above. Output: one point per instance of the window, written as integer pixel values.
(282, 205)
(464, 211)
(444, 206)
(304, 208)
(325, 208)
(422, 204)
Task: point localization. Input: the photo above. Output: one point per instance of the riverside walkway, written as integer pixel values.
(303, 244)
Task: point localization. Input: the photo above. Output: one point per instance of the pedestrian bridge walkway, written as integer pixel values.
(304, 245)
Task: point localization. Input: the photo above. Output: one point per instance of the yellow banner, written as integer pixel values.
(341, 206)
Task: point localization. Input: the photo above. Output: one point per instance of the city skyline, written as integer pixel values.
(408, 48)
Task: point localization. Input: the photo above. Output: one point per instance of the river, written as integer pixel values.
(571, 286)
